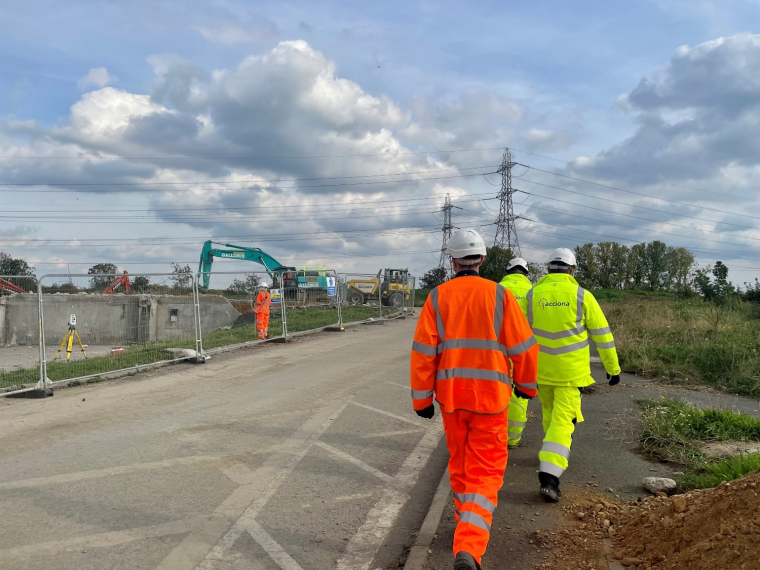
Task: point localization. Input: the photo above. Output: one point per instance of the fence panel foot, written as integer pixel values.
(33, 394)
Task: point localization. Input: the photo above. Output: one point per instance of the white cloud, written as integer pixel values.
(97, 77)
(544, 140)
(246, 29)
(285, 102)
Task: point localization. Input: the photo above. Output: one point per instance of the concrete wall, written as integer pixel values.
(110, 319)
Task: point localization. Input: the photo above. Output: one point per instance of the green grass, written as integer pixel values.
(673, 431)
(420, 296)
(616, 295)
(717, 472)
(148, 353)
(689, 342)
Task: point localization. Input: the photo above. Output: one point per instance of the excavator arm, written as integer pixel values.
(254, 254)
(121, 280)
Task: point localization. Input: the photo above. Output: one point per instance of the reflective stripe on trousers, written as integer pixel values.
(478, 457)
(561, 408)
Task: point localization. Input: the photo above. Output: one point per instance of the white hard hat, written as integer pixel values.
(562, 255)
(265, 285)
(517, 262)
(464, 243)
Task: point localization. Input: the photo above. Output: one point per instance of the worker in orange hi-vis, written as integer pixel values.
(261, 308)
(471, 333)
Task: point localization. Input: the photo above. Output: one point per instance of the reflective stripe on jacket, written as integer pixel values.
(263, 301)
(562, 315)
(519, 285)
(469, 331)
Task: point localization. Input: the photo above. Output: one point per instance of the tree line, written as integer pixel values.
(649, 266)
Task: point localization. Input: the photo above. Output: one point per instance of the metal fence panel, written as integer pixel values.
(314, 304)
(20, 335)
(388, 291)
(226, 309)
(99, 324)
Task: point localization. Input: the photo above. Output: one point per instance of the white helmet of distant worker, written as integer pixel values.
(517, 262)
(264, 285)
(562, 257)
(465, 243)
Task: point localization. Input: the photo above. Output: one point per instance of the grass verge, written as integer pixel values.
(690, 342)
(148, 353)
(723, 470)
(674, 431)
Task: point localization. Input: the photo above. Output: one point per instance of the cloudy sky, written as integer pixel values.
(132, 131)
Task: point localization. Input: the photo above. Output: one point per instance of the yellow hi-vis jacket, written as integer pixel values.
(562, 315)
(519, 285)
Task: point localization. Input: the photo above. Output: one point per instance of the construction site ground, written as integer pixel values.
(17, 357)
(295, 456)
(604, 462)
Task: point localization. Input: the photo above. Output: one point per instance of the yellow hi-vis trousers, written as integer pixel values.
(561, 409)
(518, 415)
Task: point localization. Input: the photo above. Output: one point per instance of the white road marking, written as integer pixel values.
(363, 546)
(397, 384)
(392, 433)
(271, 547)
(355, 497)
(272, 476)
(390, 414)
(365, 543)
(97, 473)
(357, 462)
(21, 554)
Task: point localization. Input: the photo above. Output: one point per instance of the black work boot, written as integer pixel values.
(549, 490)
(465, 561)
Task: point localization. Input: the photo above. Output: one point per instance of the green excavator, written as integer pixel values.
(273, 267)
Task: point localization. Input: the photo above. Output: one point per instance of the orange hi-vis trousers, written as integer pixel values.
(262, 323)
(478, 448)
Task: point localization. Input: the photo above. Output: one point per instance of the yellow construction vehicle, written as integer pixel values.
(392, 289)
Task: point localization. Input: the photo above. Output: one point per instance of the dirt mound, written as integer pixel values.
(703, 530)
(716, 529)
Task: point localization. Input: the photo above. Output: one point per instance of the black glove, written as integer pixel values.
(614, 380)
(520, 394)
(426, 413)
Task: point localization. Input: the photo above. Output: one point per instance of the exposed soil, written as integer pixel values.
(702, 530)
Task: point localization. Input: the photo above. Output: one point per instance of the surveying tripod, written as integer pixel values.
(68, 340)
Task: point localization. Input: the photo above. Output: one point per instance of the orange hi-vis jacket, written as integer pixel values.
(468, 332)
(263, 302)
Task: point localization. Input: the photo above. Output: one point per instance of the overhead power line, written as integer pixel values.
(137, 187)
(640, 193)
(273, 157)
(250, 180)
(282, 257)
(573, 163)
(555, 199)
(641, 207)
(192, 240)
(300, 207)
(648, 230)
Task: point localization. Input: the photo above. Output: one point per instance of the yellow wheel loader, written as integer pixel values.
(392, 290)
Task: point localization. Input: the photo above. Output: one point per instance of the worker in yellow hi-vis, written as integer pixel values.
(516, 281)
(563, 315)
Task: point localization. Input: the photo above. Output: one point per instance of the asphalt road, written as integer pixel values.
(300, 456)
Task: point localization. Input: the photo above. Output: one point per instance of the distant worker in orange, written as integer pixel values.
(471, 333)
(261, 308)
